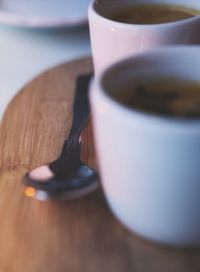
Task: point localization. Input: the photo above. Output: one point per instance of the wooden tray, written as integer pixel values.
(74, 236)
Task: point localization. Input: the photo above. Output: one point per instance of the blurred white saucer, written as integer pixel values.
(43, 13)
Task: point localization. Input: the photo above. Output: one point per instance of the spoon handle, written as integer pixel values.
(81, 111)
(70, 154)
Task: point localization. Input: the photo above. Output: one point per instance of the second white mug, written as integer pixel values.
(112, 40)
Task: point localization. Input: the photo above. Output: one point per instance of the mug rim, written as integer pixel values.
(92, 10)
(139, 114)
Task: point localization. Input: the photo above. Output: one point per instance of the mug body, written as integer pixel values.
(112, 41)
(149, 164)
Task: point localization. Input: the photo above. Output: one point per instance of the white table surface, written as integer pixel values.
(26, 53)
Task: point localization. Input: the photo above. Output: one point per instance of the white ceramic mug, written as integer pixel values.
(112, 41)
(150, 165)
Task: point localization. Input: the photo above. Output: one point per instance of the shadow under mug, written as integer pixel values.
(112, 40)
(149, 164)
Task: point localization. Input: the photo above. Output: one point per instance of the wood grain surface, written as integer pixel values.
(74, 236)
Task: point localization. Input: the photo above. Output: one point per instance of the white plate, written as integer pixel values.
(43, 13)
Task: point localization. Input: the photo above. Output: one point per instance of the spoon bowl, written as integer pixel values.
(80, 181)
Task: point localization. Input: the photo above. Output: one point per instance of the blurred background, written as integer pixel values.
(37, 35)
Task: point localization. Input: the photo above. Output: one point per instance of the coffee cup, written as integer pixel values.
(150, 161)
(112, 40)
